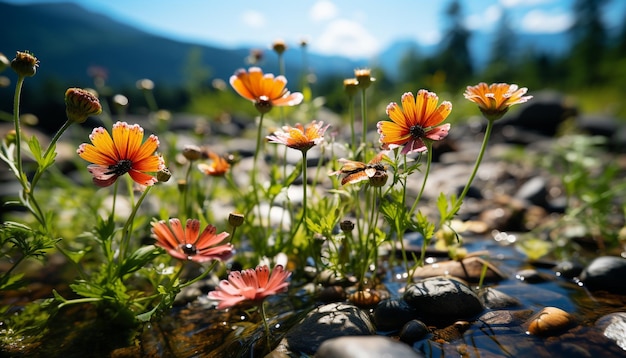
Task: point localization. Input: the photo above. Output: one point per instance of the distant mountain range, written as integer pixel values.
(68, 39)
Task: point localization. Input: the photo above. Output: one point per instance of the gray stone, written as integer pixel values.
(607, 273)
(365, 347)
(614, 327)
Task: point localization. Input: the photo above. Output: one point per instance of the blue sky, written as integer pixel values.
(352, 28)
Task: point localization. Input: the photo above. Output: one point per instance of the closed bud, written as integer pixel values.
(163, 175)
(351, 85)
(25, 64)
(192, 152)
(346, 226)
(235, 220)
(279, 46)
(364, 77)
(80, 104)
(379, 178)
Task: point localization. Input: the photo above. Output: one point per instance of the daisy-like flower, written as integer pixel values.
(189, 243)
(418, 120)
(299, 137)
(264, 90)
(122, 153)
(250, 285)
(495, 99)
(218, 167)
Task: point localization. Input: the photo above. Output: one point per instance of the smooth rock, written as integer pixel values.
(323, 323)
(391, 314)
(614, 327)
(606, 273)
(442, 299)
(494, 299)
(413, 331)
(468, 269)
(549, 321)
(365, 347)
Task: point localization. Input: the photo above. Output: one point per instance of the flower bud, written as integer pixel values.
(80, 104)
(145, 84)
(192, 152)
(379, 178)
(163, 175)
(351, 85)
(235, 220)
(279, 46)
(364, 77)
(25, 64)
(346, 226)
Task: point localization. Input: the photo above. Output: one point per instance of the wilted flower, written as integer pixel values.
(189, 243)
(250, 285)
(354, 172)
(80, 104)
(299, 137)
(415, 122)
(494, 100)
(265, 91)
(123, 153)
(218, 167)
(25, 64)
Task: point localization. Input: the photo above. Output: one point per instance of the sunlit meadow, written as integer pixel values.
(153, 212)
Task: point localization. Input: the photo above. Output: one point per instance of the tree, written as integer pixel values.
(454, 58)
(589, 42)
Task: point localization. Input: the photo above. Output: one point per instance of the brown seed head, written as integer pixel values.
(80, 104)
(25, 64)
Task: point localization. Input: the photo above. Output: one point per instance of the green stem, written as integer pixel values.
(18, 132)
(267, 327)
(483, 148)
(352, 130)
(253, 177)
(127, 227)
(429, 160)
(364, 119)
(51, 147)
(199, 277)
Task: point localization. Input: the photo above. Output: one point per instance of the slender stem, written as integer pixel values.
(267, 327)
(127, 227)
(51, 146)
(476, 165)
(352, 131)
(18, 131)
(199, 277)
(429, 160)
(304, 184)
(253, 177)
(364, 119)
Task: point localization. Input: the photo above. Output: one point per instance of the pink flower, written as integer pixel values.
(250, 285)
(299, 137)
(188, 243)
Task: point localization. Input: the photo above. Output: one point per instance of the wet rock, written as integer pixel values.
(605, 273)
(568, 269)
(441, 299)
(365, 347)
(534, 191)
(364, 299)
(330, 294)
(452, 332)
(468, 269)
(613, 327)
(414, 331)
(530, 276)
(494, 299)
(323, 323)
(504, 317)
(549, 321)
(391, 314)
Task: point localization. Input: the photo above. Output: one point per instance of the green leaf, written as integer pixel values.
(138, 259)
(11, 282)
(35, 149)
(534, 248)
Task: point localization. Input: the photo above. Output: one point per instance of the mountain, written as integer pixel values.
(68, 39)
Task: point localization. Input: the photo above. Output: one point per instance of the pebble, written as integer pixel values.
(365, 347)
(549, 321)
(605, 273)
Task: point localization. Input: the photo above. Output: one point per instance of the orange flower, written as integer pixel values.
(250, 285)
(417, 121)
(298, 137)
(494, 100)
(218, 167)
(265, 91)
(121, 154)
(189, 243)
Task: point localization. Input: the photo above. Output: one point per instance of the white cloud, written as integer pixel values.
(485, 20)
(346, 38)
(538, 21)
(323, 10)
(430, 37)
(253, 19)
(515, 3)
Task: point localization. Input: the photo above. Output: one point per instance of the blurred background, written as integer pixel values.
(189, 50)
